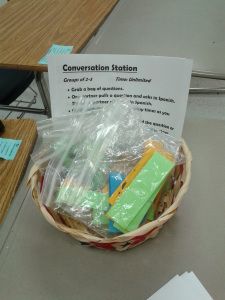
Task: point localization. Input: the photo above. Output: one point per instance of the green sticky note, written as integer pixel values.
(129, 210)
(9, 148)
(55, 50)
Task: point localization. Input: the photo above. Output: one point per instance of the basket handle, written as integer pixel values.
(34, 170)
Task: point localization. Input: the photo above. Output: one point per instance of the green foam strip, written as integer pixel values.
(129, 210)
(117, 226)
(140, 215)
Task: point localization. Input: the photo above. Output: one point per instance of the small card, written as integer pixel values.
(9, 148)
(55, 50)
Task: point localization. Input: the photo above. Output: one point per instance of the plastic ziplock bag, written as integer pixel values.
(108, 143)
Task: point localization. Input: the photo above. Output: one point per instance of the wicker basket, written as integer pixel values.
(124, 241)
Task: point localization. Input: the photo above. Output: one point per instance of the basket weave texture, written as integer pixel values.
(125, 241)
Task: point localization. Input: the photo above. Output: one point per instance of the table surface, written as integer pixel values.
(12, 171)
(178, 28)
(39, 262)
(29, 27)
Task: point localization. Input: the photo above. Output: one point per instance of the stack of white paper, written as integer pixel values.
(185, 287)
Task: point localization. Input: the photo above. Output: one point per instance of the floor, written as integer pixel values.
(199, 106)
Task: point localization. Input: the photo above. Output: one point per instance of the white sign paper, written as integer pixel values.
(157, 86)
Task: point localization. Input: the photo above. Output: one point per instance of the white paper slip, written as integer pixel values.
(185, 287)
(175, 289)
(157, 86)
(193, 282)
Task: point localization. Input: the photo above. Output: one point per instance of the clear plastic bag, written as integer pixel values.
(54, 134)
(99, 173)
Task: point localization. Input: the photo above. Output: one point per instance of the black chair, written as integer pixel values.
(12, 84)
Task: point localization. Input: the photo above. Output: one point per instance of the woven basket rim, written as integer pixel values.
(32, 183)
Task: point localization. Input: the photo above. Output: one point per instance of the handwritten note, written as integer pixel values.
(9, 148)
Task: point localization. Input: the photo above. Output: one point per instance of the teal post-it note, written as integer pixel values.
(9, 148)
(133, 204)
(55, 50)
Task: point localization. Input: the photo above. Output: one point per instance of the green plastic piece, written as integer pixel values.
(99, 180)
(99, 218)
(88, 199)
(150, 214)
(68, 162)
(140, 215)
(129, 210)
(117, 226)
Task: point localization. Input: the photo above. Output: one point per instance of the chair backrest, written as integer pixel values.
(13, 83)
